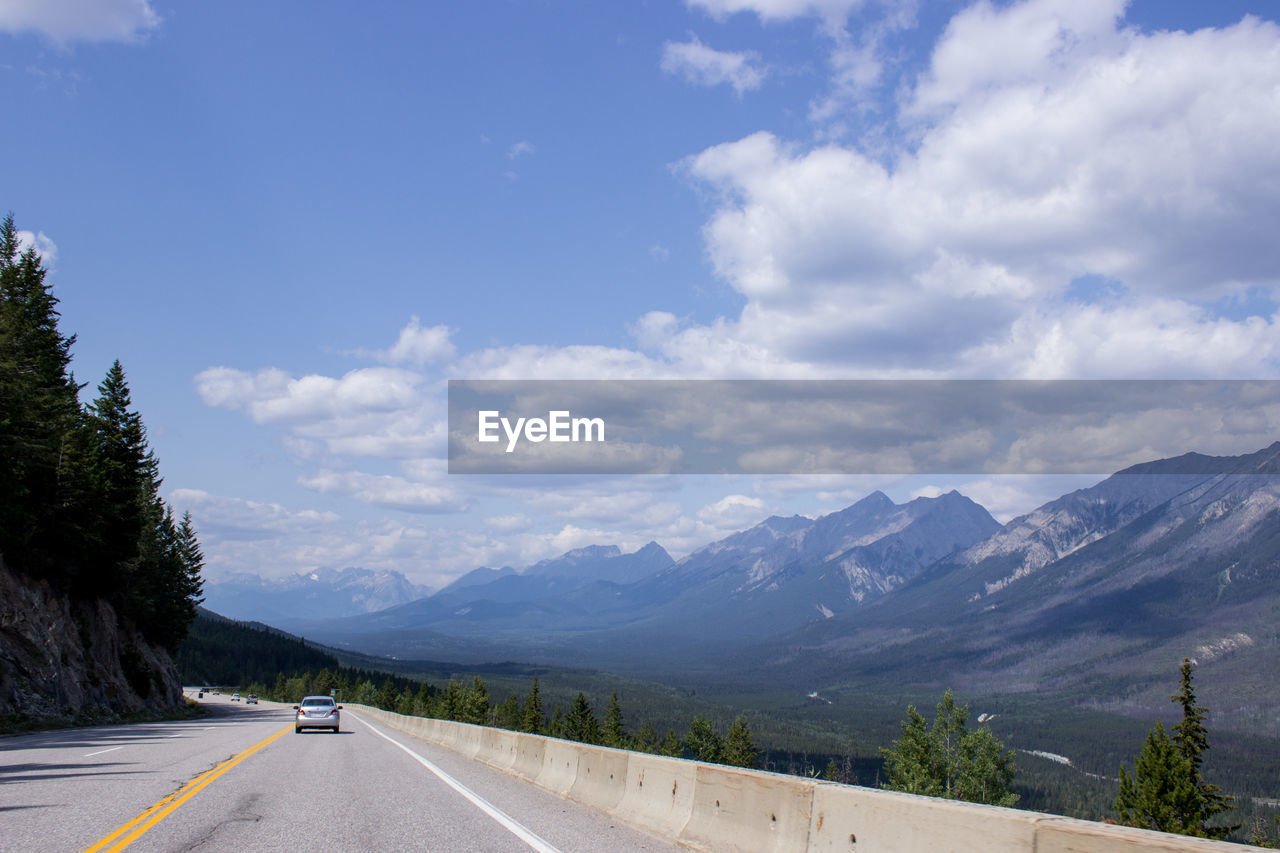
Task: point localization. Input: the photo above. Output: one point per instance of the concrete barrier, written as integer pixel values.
(1067, 835)
(602, 777)
(848, 818)
(713, 807)
(530, 752)
(559, 765)
(747, 810)
(658, 793)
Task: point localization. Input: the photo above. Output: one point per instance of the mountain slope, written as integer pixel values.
(324, 593)
(1100, 592)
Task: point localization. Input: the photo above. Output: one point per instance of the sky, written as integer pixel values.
(294, 222)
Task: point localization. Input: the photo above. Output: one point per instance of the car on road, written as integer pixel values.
(252, 700)
(235, 697)
(316, 712)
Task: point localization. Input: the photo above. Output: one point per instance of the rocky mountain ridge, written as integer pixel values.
(63, 660)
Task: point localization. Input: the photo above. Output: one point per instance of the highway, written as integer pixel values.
(245, 781)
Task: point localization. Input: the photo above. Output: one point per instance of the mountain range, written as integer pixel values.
(1099, 594)
(320, 594)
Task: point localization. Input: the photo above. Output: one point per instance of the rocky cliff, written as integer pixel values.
(63, 659)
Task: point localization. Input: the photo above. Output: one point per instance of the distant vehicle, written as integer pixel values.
(252, 700)
(235, 697)
(316, 712)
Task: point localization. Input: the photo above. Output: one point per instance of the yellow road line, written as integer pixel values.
(134, 829)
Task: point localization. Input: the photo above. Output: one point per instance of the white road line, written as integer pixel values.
(99, 752)
(508, 822)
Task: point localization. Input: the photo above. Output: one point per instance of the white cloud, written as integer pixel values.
(522, 148)
(45, 248)
(387, 491)
(419, 346)
(831, 11)
(706, 66)
(272, 395)
(80, 20)
(509, 523)
(734, 512)
(1147, 159)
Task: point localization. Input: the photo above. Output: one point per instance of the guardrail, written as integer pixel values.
(714, 807)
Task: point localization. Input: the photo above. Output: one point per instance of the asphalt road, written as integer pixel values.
(353, 791)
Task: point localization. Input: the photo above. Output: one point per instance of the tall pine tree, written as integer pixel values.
(1167, 790)
(39, 412)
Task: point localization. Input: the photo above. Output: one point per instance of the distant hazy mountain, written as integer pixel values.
(772, 578)
(322, 594)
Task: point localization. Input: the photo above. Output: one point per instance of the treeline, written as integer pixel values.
(284, 669)
(471, 703)
(80, 505)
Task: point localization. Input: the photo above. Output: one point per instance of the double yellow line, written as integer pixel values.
(134, 829)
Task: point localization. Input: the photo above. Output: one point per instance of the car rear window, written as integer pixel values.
(308, 703)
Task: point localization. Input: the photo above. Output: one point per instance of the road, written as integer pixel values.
(72, 789)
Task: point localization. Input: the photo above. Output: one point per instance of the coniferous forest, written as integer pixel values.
(81, 507)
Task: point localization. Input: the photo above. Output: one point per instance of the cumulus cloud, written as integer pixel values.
(734, 512)
(705, 66)
(387, 491)
(66, 21)
(417, 345)
(45, 247)
(1142, 158)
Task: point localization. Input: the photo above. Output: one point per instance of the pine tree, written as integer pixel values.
(531, 719)
(128, 480)
(1167, 790)
(1192, 739)
(947, 760)
(704, 741)
(646, 739)
(671, 745)
(613, 734)
(555, 728)
(39, 412)
(739, 747)
(1160, 795)
(475, 703)
(580, 723)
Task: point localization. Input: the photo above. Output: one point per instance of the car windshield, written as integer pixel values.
(313, 703)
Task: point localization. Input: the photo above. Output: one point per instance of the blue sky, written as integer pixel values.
(294, 222)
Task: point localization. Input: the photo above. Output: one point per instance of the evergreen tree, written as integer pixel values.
(531, 718)
(506, 714)
(1160, 795)
(739, 747)
(387, 695)
(646, 739)
(1192, 739)
(613, 734)
(475, 703)
(452, 704)
(555, 728)
(1167, 790)
(671, 745)
(946, 760)
(580, 723)
(704, 741)
(39, 413)
(128, 479)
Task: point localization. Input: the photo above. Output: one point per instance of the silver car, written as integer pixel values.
(316, 712)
